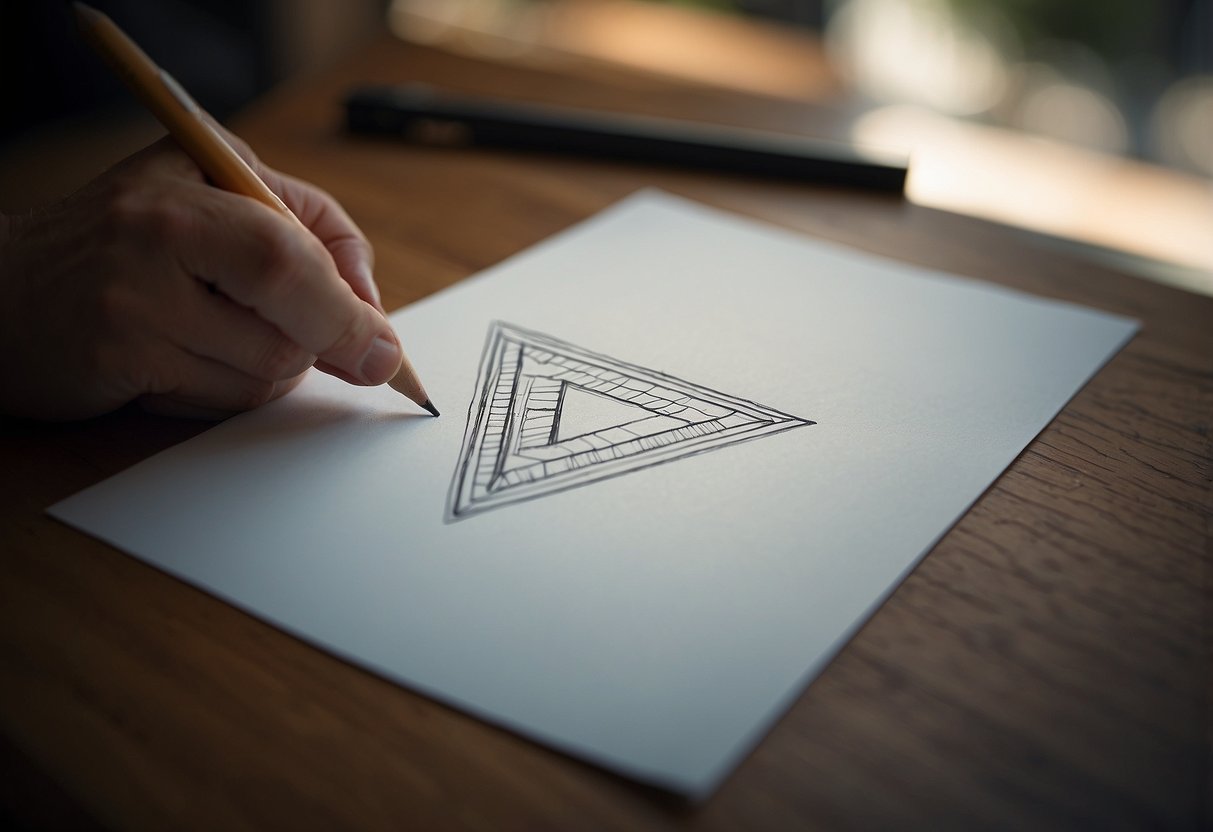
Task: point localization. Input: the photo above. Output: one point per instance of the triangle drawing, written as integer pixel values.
(548, 416)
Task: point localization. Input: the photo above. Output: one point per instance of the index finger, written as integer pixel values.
(323, 216)
(264, 261)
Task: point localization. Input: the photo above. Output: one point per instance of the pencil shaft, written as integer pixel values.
(176, 110)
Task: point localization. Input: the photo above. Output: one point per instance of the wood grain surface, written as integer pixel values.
(1046, 667)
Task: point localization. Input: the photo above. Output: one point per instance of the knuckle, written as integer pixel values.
(169, 218)
(286, 385)
(253, 394)
(148, 214)
(155, 373)
(125, 205)
(319, 192)
(117, 307)
(353, 338)
(281, 358)
(242, 148)
(364, 249)
(282, 259)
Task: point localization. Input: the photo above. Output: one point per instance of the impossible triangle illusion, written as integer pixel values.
(549, 416)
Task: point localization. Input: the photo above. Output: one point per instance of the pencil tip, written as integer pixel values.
(429, 405)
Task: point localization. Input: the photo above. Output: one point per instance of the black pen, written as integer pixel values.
(424, 114)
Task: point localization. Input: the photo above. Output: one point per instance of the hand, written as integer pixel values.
(151, 285)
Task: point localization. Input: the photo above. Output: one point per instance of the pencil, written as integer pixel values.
(187, 123)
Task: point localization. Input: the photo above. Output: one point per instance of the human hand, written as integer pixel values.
(151, 285)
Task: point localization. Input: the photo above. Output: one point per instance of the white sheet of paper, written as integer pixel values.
(658, 620)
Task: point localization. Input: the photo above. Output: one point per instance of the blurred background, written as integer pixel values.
(1086, 123)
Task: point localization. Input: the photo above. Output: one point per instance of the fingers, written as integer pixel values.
(285, 298)
(289, 279)
(266, 352)
(324, 216)
(210, 325)
(112, 308)
(187, 385)
(333, 227)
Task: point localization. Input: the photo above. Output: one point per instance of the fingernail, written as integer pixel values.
(381, 361)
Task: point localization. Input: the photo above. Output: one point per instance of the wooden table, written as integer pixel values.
(1047, 666)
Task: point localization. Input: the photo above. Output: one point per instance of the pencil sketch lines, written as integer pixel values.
(548, 416)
